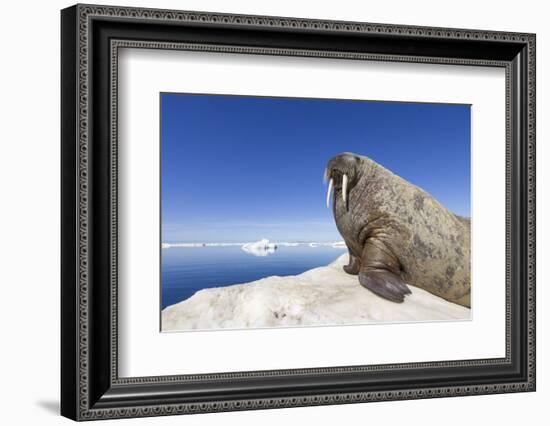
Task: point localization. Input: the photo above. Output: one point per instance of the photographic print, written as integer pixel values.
(260, 183)
(284, 212)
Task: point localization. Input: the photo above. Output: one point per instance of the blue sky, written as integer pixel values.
(238, 168)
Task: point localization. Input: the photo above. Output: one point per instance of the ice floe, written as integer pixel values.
(320, 296)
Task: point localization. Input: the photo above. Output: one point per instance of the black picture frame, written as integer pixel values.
(90, 386)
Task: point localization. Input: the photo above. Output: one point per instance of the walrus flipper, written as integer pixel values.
(380, 272)
(354, 265)
(385, 284)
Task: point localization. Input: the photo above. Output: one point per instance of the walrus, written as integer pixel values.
(396, 233)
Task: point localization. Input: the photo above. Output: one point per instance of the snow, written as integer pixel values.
(320, 296)
(260, 248)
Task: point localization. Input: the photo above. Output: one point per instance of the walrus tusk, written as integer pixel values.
(345, 188)
(329, 191)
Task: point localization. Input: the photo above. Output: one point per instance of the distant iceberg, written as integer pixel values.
(175, 245)
(339, 244)
(170, 245)
(260, 248)
(264, 245)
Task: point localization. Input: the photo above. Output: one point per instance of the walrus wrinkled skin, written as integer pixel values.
(398, 234)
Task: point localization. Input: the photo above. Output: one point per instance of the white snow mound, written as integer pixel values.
(320, 296)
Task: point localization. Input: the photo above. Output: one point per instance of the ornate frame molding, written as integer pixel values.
(80, 19)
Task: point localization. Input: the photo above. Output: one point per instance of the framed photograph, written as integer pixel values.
(263, 212)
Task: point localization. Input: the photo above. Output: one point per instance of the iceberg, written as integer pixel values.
(179, 245)
(260, 248)
(171, 245)
(262, 244)
(320, 296)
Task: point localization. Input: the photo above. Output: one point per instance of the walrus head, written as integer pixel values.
(345, 172)
(342, 173)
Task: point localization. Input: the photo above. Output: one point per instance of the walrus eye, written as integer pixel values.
(345, 188)
(329, 191)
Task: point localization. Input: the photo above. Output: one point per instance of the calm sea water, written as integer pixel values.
(186, 270)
